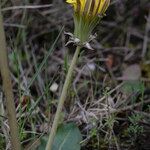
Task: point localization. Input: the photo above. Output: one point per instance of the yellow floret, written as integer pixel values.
(90, 8)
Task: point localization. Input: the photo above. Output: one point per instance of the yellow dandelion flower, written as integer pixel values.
(87, 13)
(89, 8)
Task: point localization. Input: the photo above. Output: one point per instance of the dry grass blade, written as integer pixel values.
(27, 7)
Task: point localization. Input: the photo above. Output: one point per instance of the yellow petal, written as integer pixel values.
(89, 8)
(72, 2)
(103, 6)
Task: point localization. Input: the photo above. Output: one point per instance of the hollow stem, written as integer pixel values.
(62, 99)
(7, 87)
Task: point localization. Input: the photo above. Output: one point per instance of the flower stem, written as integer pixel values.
(7, 86)
(62, 99)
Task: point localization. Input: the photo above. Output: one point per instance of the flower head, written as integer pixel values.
(87, 13)
(89, 8)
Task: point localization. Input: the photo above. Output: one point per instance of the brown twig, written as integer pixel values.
(7, 86)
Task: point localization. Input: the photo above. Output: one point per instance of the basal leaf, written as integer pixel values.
(68, 137)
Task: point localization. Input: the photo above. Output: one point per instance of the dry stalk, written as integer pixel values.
(7, 87)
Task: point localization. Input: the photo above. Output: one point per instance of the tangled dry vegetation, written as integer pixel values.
(109, 98)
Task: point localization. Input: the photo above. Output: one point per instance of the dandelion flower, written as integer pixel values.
(87, 14)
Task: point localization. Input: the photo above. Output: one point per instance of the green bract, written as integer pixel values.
(87, 14)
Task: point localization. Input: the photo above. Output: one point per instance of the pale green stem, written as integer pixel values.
(62, 99)
(7, 86)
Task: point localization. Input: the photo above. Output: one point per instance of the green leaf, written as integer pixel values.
(133, 86)
(68, 137)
